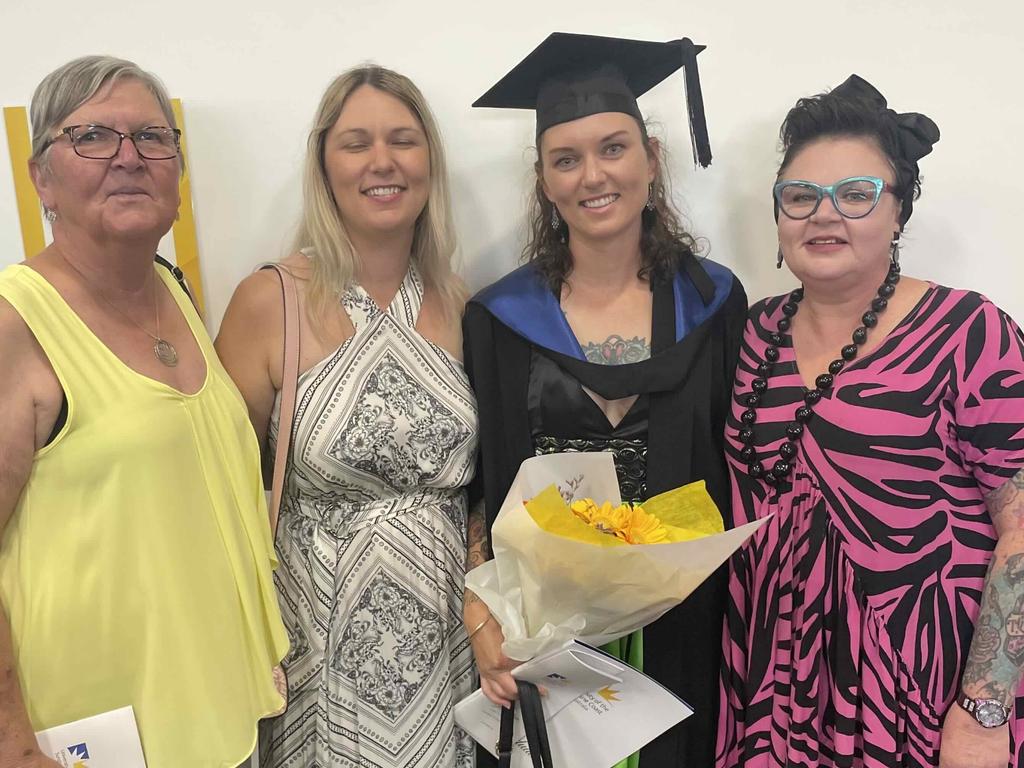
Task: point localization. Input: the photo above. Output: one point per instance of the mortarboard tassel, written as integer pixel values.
(695, 105)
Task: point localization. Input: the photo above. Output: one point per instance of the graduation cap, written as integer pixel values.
(570, 76)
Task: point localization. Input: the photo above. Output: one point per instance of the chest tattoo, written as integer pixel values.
(616, 350)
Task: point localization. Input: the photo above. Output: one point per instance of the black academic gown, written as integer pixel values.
(697, 327)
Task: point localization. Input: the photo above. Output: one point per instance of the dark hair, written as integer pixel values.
(832, 115)
(664, 243)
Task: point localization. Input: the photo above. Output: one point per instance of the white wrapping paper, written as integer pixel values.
(545, 589)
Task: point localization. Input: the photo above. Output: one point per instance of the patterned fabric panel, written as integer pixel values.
(372, 546)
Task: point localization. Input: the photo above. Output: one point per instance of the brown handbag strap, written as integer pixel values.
(289, 385)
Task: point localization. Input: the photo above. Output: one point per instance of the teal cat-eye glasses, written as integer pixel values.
(853, 198)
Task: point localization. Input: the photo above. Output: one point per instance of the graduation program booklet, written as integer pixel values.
(108, 740)
(598, 709)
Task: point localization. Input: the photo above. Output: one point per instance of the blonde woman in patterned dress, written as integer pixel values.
(372, 533)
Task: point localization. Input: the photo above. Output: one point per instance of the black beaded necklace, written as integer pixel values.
(822, 384)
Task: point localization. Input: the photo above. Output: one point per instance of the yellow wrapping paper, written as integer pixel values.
(685, 514)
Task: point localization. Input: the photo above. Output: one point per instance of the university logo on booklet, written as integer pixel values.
(76, 754)
(107, 740)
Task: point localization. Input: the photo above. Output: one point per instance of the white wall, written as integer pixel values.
(250, 76)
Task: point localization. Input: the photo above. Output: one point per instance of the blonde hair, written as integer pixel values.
(322, 232)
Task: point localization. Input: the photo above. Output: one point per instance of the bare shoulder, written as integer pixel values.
(28, 384)
(253, 317)
(258, 290)
(298, 265)
(256, 303)
(251, 334)
(263, 287)
(18, 347)
(261, 290)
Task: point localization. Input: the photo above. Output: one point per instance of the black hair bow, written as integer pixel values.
(916, 133)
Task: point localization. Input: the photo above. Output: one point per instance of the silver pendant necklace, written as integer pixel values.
(162, 348)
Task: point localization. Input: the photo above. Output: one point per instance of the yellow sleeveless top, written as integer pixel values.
(137, 566)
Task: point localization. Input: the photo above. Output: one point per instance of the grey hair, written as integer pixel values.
(71, 85)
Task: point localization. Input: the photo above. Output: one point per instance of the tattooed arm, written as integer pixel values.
(476, 537)
(476, 554)
(996, 659)
(494, 666)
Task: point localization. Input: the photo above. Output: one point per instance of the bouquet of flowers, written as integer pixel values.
(572, 562)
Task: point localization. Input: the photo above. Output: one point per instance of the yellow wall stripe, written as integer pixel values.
(186, 248)
(19, 144)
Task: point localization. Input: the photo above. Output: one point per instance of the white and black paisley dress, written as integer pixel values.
(372, 546)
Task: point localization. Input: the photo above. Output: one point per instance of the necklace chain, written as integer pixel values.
(162, 349)
(782, 468)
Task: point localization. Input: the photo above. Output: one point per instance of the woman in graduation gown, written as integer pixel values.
(613, 336)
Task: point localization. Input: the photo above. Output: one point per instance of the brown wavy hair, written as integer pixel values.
(664, 241)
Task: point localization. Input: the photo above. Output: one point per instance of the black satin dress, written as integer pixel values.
(563, 417)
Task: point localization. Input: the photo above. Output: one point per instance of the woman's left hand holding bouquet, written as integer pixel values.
(494, 666)
(485, 633)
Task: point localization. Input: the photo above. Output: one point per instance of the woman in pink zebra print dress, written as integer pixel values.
(878, 618)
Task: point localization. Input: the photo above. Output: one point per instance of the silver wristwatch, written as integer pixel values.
(989, 713)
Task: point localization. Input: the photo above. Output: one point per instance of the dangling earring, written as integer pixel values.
(778, 264)
(556, 220)
(650, 197)
(894, 250)
(50, 215)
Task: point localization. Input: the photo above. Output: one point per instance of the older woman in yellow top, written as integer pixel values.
(135, 554)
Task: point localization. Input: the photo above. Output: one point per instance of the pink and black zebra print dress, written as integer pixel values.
(851, 612)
